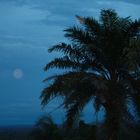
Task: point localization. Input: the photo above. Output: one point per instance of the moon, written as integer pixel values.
(18, 73)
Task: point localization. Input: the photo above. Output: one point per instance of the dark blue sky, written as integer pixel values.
(27, 29)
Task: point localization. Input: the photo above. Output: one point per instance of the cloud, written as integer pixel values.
(130, 1)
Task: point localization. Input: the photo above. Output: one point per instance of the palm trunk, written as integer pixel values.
(114, 109)
(112, 122)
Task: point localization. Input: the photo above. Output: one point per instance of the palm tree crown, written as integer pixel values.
(102, 67)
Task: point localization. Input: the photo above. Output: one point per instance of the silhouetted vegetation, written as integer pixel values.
(102, 66)
(47, 129)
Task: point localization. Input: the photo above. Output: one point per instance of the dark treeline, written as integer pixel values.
(47, 129)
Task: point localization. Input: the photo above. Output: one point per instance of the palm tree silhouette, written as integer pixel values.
(101, 65)
(46, 129)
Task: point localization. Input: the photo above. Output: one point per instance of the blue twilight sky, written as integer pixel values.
(27, 29)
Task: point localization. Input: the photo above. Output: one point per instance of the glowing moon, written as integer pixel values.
(18, 73)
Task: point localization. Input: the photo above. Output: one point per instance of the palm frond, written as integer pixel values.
(62, 63)
(109, 18)
(78, 35)
(68, 85)
(134, 28)
(91, 25)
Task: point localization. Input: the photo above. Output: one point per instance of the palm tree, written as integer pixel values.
(46, 129)
(101, 65)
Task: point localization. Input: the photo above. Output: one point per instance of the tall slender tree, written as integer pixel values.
(102, 66)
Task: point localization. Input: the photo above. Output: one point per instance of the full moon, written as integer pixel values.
(18, 73)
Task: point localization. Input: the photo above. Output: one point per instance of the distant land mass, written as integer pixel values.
(16, 132)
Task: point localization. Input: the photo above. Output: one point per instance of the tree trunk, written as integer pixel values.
(114, 112)
(113, 120)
